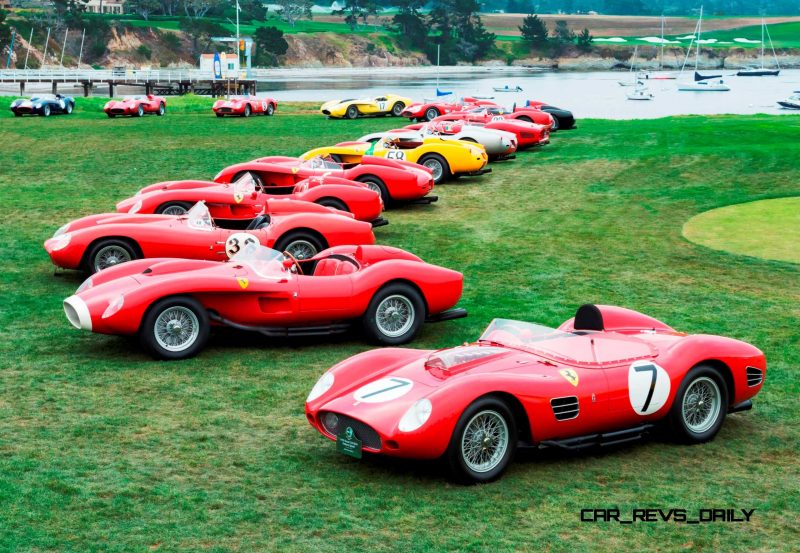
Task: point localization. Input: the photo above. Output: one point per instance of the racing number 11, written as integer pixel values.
(654, 371)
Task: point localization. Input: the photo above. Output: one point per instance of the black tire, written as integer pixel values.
(17, 114)
(162, 109)
(103, 247)
(556, 123)
(111, 115)
(185, 305)
(397, 109)
(444, 171)
(410, 302)
(46, 110)
(334, 203)
(351, 113)
(302, 245)
(256, 179)
(247, 110)
(525, 118)
(219, 114)
(69, 107)
(431, 114)
(705, 377)
(140, 111)
(270, 110)
(460, 468)
(377, 184)
(172, 206)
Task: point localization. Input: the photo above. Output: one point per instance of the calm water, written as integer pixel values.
(595, 94)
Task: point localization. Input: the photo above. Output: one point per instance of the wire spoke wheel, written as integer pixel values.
(395, 315)
(109, 256)
(174, 210)
(436, 168)
(484, 441)
(702, 403)
(176, 328)
(301, 249)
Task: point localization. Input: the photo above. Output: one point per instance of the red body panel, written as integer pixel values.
(291, 300)
(170, 235)
(130, 106)
(601, 362)
(418, 110)
(405, 181)
(489, 113)
(363, 203)
(237, 105)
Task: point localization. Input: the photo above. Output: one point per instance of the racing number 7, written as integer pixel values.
(652, 369)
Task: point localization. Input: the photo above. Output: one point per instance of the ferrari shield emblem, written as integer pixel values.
(238, 197)
(570, 376)
(295, 170)
(243, 282)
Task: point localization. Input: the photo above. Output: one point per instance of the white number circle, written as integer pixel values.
(385, 389)
(648, 387)
(263, 106)
(237, 241)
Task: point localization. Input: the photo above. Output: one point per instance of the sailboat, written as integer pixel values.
(701, 83)
(439, 91)
(661, 76)
(636, 75)
(641, 92)
(763, 71)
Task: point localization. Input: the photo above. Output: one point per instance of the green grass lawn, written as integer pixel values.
(103, 449)
(767, 228)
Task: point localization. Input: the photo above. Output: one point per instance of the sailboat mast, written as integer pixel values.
(699, 31)
(661, 55)
(762, 42)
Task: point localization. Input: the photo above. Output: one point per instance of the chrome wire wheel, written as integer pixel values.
(436, 168)
(174, 210)
(176, 328)
(702, 404)
(301, 249)
(395, 316)
(373, 186)
(109, 256)
(484, 441)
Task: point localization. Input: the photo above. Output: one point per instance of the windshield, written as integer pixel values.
(317, 162)
(134, 97)
(264, 261)
(519, 333)
(41, 97)
(199, 218)
(244, 187)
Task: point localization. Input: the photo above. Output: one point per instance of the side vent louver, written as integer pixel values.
(754, 376)
(565, 408)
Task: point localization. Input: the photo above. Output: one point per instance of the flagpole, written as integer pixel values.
(44, 55)
(64, 47)
(28, 49)
(80, 54)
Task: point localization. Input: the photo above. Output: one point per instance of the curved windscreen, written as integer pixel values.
(317, 162)
(264, 261)
(244, 186)
(519, 333)
(199, 217)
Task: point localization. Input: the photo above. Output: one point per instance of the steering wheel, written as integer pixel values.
(297, 268)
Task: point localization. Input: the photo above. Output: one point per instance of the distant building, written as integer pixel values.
(230, 64)
(108, 6)
(5, 4)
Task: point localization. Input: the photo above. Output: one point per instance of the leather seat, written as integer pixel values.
(331, 266)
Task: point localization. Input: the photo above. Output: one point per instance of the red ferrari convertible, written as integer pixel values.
(489, 113)
(606, 376)
(394, 180)
(244, 200)
(302, 229)
(136, 106)
(428, 111)
(171, 303)
(245, 106)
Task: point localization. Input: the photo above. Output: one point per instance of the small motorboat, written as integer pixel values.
(640, 93)
(792, 102)
(507, 88)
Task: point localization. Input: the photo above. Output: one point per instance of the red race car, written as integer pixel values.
(394, 180)
(300, 228)
(489, 113)
(526, 134)
(171, 303)
(606, 376)
(245, 106)
(136, 106)
(244, 200)
(427, 111)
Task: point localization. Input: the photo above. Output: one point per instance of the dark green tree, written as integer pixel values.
(585, 41)
(269, 45)
(534, 31)
(409, 22)
(354, 10)
(200, 31)
(293, 10)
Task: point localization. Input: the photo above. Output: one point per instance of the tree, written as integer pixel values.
(201, 31)
(294, 10)
(534, 31)
(562, 37)
(460, 31)
(5, 31)
(169, 7)
(252, 10)
(199, 8)
(269, 45)
(354, 10)
(585, 41)
(144, 7)
(410, 23)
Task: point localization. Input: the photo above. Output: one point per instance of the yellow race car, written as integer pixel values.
(388, 104)
(444, 157)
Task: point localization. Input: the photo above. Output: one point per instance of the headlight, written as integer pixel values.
(60, 242)
(136, 207)
(61, 230)
(416, 416)
(323, 385)
(114, 306)
(85, 285)
(37, 106)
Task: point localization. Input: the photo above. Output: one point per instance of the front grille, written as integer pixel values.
(754, 376)
(364, 432)
(225, 110)
(117, 111)
(24, 110)
(565, 408)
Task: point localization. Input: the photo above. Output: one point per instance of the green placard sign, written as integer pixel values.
(348, 443)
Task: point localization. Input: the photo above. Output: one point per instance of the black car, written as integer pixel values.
(44, 104)
(562, 118)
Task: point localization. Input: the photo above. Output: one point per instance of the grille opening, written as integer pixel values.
(754, 376)
(72, 315)
(565, 408)
(364, 432)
